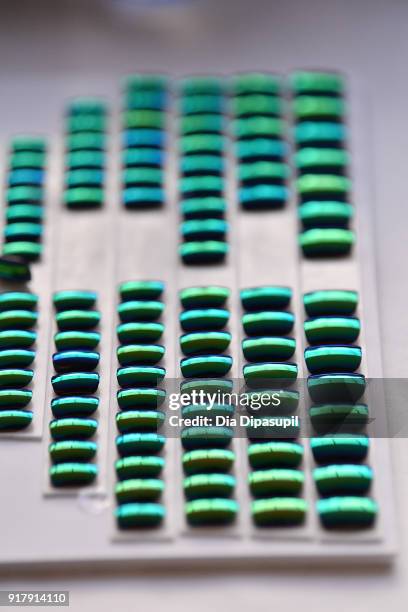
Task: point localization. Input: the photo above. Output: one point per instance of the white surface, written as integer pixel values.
(367, 39)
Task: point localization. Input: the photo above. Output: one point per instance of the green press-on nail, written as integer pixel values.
(140, 375)
(328, 388)
(83, 197)
(85, 123)
(312, 82)
(139, 443)
(325, 214)
(330, 302)
(204, 229)
(343, 479)
(73, 428)
(201, 186)
(76, 382)
(322, 359)
(263, 197)
(145, 82)
(15, 378)
(347, 512)
(281, 374)
(136, 397)
(29, 251)
(11, 300)
(140, 310)
(17, 338)
(268, 348)
(253, 127)
(80, 160)
(261, 149)
(322, 160)
(193, 410)
(142, 177)
(136, 354)
(145, 100)
(276, 482)
(206, 365)
(200, 486)
(87, 106)
(23, 231)
(268, 322)
(332, 418)
(308, 107)
(86, 141)
(253, 104)
(14, 420)
(261, 298)
(16, 358)
(197, 104)
(146, 157)
(73, 320)
(201, 165)
(19, 213)
(139, 420)
(79, 406)
(256, 83)
(129, 333)
(28, 144)
(201, 319)
(14, 269)
(73, 474)
(204, 123)
(138, 489)
(141, 290)
(139, 466)
(208, 296)
(142, 197)
(140, 119)
(67, 451)
(76, 340)
(203, 208)
(205, 342)
(207, 385)
(320, 134)
(323, 186)
(131, 516)
(69, 300)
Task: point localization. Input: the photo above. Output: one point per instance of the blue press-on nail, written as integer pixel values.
(310, 132)
(144, 138)
(25, 177)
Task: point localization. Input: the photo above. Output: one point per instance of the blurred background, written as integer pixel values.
(51, 49)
